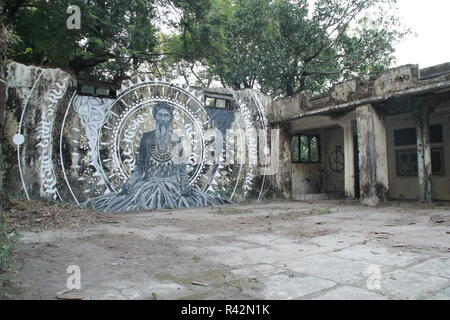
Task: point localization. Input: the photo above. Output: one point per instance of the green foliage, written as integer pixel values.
(284, 47)
(115, 35)
(7, 240)
(281, 47)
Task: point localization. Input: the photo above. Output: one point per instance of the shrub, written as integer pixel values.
(7, 240)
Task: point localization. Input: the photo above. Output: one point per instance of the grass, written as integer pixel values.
(8, 238)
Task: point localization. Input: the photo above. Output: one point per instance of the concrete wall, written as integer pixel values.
(386, 83)
(306, 179)
(406, 187)
(373, 158)
(317, 178)
(332, 139)
(65, 147)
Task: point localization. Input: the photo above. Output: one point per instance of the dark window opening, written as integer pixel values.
(306, 149)
(436, 135)
(219, 101)
(407, 162)
(437, 161)
(405, 137)
(96, 89)
(408, 136)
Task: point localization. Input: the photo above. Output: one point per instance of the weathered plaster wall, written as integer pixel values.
(368, 98)
(35, 96)
(333, 143)
(326, 176)
(306, 179)
(66, 147)
(373, 163)
(289, 107)
(282, 181)
(351, 93)
(406, 187)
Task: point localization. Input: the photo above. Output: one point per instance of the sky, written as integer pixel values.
(430, 20)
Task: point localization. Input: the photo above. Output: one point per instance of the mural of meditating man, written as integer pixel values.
(159, 179)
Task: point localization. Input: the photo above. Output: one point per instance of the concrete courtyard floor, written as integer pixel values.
(277, 250)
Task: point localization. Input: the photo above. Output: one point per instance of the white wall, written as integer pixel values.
(401, 187)
(333, 138)
(306, 177)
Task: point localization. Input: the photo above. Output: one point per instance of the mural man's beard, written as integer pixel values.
(163, 132)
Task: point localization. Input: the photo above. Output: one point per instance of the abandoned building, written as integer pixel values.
(386, 138)
(373, 139)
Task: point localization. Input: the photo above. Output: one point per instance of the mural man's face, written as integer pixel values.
(163, 115)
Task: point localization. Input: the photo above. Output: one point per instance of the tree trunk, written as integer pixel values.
(289, 88)
(289, 84)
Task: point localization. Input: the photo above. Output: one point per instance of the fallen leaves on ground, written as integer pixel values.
(39, 216)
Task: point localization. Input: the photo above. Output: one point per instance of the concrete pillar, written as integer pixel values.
(281, 140)
(349, 156)
(373, 161)
(423, 155)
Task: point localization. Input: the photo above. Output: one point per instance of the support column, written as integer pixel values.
(281, 163)
(349, 156)
(373, 161)
(423, 155)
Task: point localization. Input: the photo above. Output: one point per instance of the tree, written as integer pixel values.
(116, 36)
(281, 47)
(284, 47)
(183, 53)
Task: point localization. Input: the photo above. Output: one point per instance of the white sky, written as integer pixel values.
(430, 19)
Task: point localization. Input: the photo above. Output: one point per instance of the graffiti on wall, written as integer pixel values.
(44, 135)
(159, 178)
(35, 141)
(108, 153)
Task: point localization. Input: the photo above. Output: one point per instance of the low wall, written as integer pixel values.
(65, 147)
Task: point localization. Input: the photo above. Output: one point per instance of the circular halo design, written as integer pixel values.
(146, 104)
(98, 151)
(124, 111)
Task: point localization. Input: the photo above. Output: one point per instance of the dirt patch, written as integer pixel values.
(37, 216)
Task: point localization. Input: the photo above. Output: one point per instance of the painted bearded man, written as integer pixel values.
(160, 179)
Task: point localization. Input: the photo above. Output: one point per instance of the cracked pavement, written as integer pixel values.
(275, 250)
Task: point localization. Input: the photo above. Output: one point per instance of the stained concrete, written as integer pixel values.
(278, 250)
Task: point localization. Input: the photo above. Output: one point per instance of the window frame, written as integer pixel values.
(415, 174)
(319, 148)
(399, 144)
(228, 99)
(96, 86)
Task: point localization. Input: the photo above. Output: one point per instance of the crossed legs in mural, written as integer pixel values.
(159, 180)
